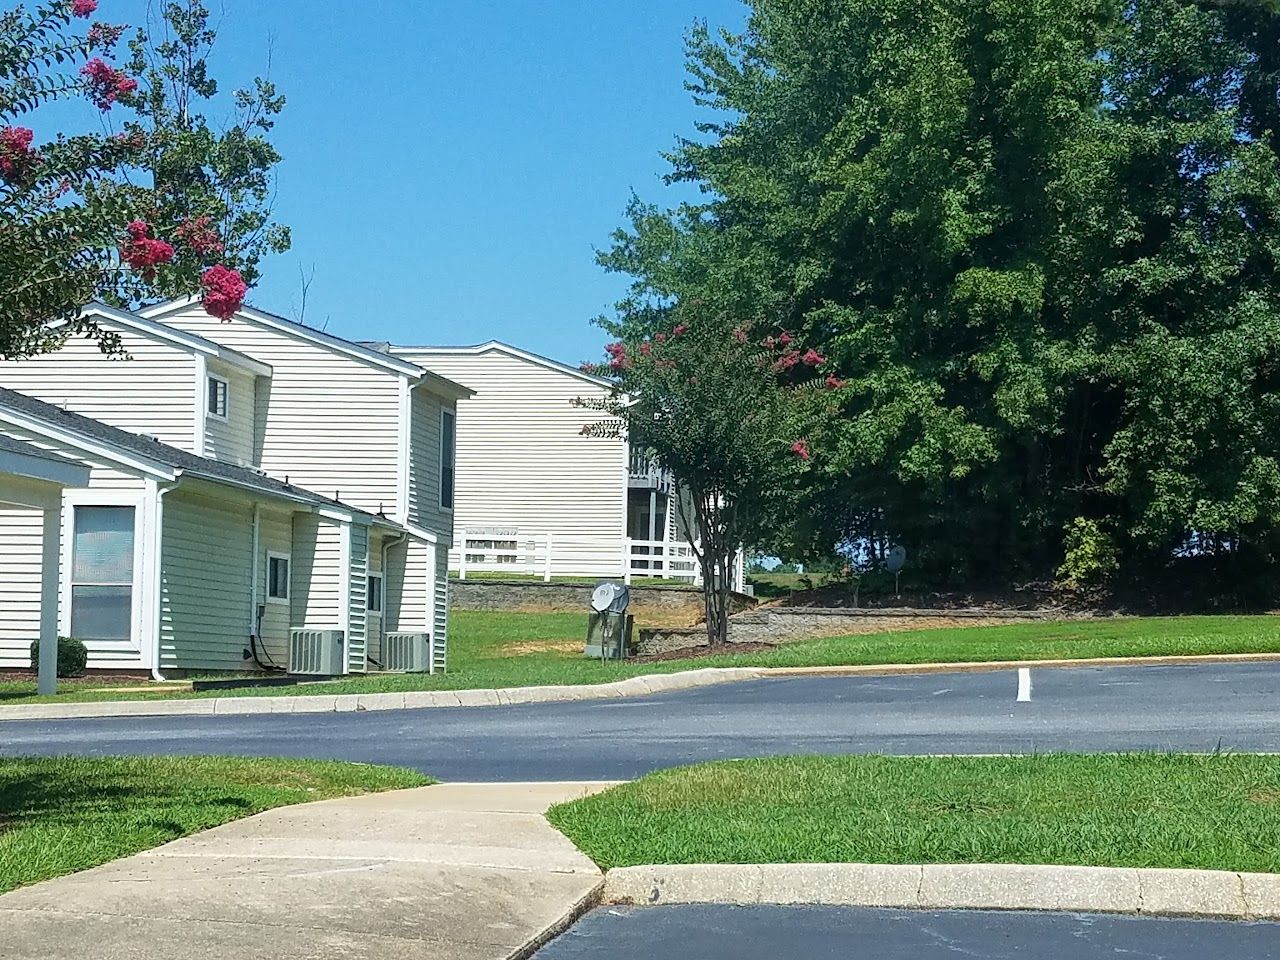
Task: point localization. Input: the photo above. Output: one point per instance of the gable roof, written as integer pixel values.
(191, 342)
(357, 351)
(497, 346)
(158, 459)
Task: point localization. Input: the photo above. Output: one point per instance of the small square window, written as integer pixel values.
(373, 593)
(219, 399)
(277, 578)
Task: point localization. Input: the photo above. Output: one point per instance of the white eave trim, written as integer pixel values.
(190, 342)
(497, 346)
(39, 465)
(443, 386)
(92, 447)
(419, 533)
(296, 330)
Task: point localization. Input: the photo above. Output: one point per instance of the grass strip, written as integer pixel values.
(1119, 810)
(63, 814)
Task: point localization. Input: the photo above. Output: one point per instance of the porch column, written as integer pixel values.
(47, 682)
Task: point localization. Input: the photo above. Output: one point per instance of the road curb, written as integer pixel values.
(640, 686)
(1205, 894)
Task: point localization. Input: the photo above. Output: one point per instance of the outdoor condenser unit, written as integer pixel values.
(406, 653)
(316, 652)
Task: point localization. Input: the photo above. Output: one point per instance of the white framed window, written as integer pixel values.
(448, 448)
(102, 564)
(277, 577)
(373, 593)
(219, 397)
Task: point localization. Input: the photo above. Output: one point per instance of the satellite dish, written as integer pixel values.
(896, 560)
(602, 597)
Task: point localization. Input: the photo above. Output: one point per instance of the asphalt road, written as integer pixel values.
(1187, 708)
(834, 933)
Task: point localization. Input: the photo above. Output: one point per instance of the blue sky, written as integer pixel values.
(451, 165)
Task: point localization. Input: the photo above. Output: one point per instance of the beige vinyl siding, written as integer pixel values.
(232, 440)
(522, 461)
(205, 582)
(357, 634)
(373, 621)
(332, 422)
(275, 535)
(21, 559)
(425, 461)
(152, 391)
(408, 585)
(316, 573)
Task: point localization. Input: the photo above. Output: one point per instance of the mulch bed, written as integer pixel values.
(696, 653)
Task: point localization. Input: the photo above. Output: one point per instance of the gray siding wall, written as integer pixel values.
(275, 535)
(205, 591)
(316, 573)
(232, 440)
(21, 560)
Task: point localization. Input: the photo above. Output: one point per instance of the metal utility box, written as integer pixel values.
(319, 653)
(609, 627)
(406, 653)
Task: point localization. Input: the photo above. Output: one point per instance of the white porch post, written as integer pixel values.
(47, 683)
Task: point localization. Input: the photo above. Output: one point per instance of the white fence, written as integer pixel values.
(494, 550)
(665, 559)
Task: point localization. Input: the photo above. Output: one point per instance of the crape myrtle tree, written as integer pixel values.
(130, 214)
(1041, 240)
(727, 407)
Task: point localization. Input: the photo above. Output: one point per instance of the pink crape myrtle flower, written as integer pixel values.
(16, 156)
(106, 83)
(801, 449)
(83, 8)
(834, 382)
(813, 358)
(200, 235)
(223, 292)
(142, 251)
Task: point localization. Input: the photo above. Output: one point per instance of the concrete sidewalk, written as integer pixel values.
(458, 871)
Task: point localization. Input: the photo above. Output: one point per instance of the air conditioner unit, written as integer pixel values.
(406, 653)
(317, 652)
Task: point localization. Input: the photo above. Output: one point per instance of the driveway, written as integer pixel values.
(1187, 708)
(836, 933)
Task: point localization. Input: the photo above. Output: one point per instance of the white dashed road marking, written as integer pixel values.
(1024, 685)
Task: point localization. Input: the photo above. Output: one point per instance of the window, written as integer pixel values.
(277, 578)
(219, 397)
(448, 440)
(102, 573)
(373, 593)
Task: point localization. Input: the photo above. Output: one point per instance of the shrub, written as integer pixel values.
(72, 656)
(1092, 558)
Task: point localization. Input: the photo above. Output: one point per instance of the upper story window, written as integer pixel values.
(448, 441)
(219, 401)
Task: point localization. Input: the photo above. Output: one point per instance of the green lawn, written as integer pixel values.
(490, 649)
(1205, 812)
(65, 814)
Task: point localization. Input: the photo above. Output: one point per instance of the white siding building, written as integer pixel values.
(534, 494)
(228, 427)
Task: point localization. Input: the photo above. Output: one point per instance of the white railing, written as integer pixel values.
(643, 471)
(674, 560)
(665, 559)
(504, 550)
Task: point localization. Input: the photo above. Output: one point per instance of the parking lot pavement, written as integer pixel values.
(839, 933)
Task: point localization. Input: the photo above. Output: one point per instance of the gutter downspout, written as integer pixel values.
(156, 574)
(253, 566)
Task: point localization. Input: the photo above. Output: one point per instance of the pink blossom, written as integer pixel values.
(224, 291)
(106, 84)
(786, 361)
(142, 251)
(834, 382)
(104, 36)
(768, 343)
(646, 349)
(680, 330)
(665, 364)
(200, 235)
(660, 337)
(813, 358)
(83, 8)
(739, 335)
(16, 156)
(801, 449)
(785, 339)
